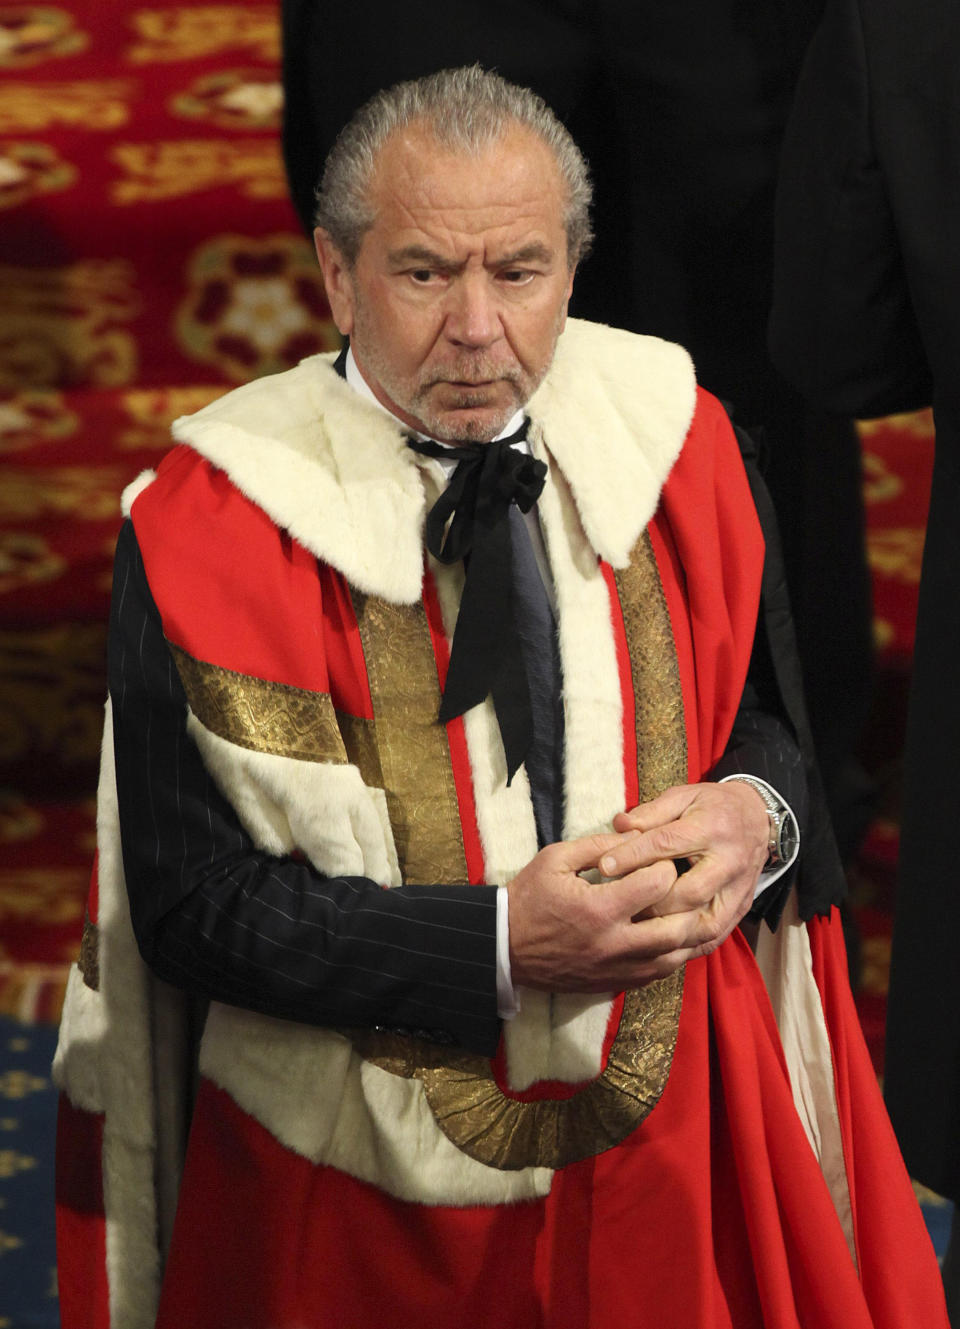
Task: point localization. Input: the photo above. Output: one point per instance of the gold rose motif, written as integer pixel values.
(897, 553)
(18, 820)
(880, 484)
(91, 493)
(30, 992)
(153, 411)
(875, 958)
(33, 416)
(30, 169)
(52, 685)
(919, 424)
(26, 558)
(233, 99)
(197, 31)
(31, 34)
(91, 104)
(60, 325)
(884, 634)
(254, 306)
(169, 170)
(50, 895)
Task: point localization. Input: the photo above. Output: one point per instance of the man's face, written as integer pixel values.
(460, 288)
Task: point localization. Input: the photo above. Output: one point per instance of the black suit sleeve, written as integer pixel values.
(214, 914)
(771, 734)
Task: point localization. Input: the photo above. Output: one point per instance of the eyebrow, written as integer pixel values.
(532, 253)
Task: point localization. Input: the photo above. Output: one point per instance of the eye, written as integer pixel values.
(427, 276)
(517, 276)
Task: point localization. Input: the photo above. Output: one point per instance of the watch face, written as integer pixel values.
(787, 838)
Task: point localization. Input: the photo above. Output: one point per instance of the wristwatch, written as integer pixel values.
(784, 832)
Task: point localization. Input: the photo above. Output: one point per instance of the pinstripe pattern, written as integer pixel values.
(213, 913)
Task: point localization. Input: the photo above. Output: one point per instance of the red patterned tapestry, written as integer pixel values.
(149, 261)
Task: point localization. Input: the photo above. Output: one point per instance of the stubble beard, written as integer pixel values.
(419, 400)
(424, 406)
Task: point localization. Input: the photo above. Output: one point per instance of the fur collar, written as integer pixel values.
(334, 470)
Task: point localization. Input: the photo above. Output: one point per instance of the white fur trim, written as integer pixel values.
(557, 1037)
(320, 1099)
(614, 410)
(327, 466)
(104, 1063)
(334, 470)
(134, 489)
(324, 810)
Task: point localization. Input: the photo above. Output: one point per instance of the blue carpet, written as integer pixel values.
(28, 1114)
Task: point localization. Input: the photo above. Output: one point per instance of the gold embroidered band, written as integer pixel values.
(265, 717)
(487, 1125)
(469, 1106)
(660, 725)
(414, 756)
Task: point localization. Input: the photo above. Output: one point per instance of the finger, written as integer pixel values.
(679, 839)
(708, 880)
(640, 890)
(696, 930)
(578, 855)
(666, 807)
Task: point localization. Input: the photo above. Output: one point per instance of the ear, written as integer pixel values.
(566, 301)
(337, 279)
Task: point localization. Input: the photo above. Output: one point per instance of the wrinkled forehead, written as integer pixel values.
(416, 174)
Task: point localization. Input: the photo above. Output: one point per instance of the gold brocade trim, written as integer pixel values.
(260, 715)
(88, 961)
(414, 756)
(484, 1123)
(360, 740)
(660, 721)
(469, 1107)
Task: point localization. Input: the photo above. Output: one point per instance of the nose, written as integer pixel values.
(473, 316)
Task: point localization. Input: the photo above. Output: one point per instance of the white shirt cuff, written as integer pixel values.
(768, 878)
(508, 1002)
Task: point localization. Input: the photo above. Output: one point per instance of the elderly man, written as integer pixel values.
(539, 1080)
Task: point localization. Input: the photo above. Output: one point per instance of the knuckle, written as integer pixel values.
(712, 929)
(661, 841)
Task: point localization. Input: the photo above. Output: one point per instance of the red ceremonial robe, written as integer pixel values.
(709, 1207)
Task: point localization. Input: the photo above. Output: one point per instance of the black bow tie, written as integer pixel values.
(469, 521)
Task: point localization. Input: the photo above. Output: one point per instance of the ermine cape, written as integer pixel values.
(709, 1151)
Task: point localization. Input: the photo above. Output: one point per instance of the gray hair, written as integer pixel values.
(466, 109)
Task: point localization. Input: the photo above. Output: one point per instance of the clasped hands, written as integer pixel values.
(644, 919)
